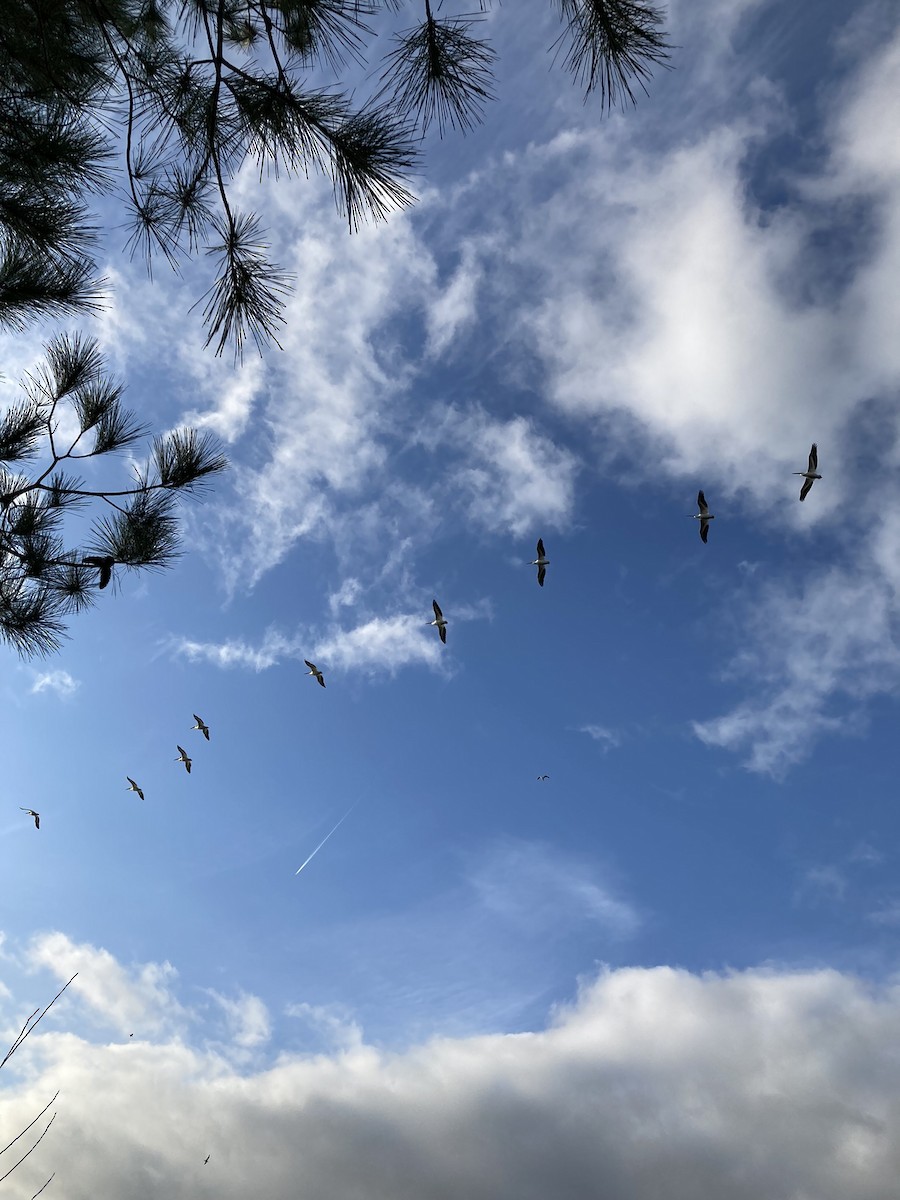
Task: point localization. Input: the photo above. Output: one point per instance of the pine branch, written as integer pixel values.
(612, 44)
(438, 72)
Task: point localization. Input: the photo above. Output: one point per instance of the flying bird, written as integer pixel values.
(183, 758)
(32, 813)
(202, 726)
(540, 777)
(104, 565)
(325, 838)
(541, 562)
(314, 670)
(704, 516)
(810, 475)
(439, 621)
(206, 1160)
(133, 787)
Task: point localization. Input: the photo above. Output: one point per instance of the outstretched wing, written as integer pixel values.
(804, 491)
(701, 504)
(437, 610)
(540, 548)
(443, 629)
(704, 531)
(542, 571)
(321, 678)
(813, 458)
(312, 666)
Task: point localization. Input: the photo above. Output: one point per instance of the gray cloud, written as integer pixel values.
(652, 1082)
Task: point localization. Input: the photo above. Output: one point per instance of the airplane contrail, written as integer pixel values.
(325, 838)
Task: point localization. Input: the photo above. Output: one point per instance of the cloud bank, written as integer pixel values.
(651, 1082)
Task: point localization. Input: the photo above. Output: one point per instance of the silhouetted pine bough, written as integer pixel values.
(70, 416)
(164, 100)
(37, 1016)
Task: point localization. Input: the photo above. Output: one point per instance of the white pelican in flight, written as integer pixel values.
(32, 813)
(541, 562)
(183, 758)
(810, 475)
(201, 725)
(439, 621)
(314, 670)
(704, 516)
(133, 787)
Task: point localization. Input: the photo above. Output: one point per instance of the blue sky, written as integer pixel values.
(583, 320)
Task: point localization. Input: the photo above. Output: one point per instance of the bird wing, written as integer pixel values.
(443, 629)
(183, 753)
(704, 531)
(312, 666)
(813, 458)
(321, 678)
(804, 491)
(542, 571)
(701, 503)
(131, 781)
(139, 792)
(201, 723)
(540, 548)
(437, 610)
(37, 820)
(187, 765)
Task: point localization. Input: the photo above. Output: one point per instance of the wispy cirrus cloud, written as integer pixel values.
(526, 881)
(606, 738)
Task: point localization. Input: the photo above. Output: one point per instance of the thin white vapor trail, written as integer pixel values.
(326, 837)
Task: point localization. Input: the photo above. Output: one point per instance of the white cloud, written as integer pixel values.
(139, 998)
(58, 681)
(608, 739)
(374, 645)
(833, 637)
(512, 475)
(247, 1017)
(235, 652)
(454, 309)
(653, 1081)
(382, 643)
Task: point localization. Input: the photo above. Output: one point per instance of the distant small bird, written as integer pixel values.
(133, 787)
(439, 621)
(202, 726)
(704, 516)
(104, 565)
(183, 758)
(543, 777)
(206, 1160)
(541, 562)
(810, 475)
(131, 1035)
(32, 813)
(314, 670)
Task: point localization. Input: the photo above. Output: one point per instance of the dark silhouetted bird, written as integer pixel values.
(183, 758)
(133, 787)
(104, 565)
(32, 813)
(201, 725)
